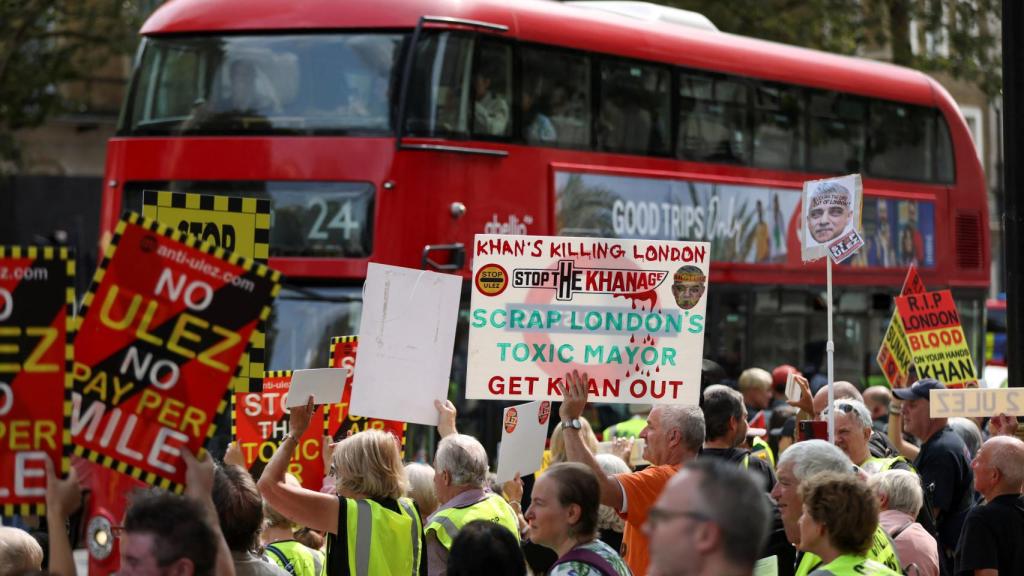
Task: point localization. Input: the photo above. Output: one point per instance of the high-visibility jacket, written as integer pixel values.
(627, 429)
(761, 449)
(882, 551)
(296, 558)
(445, 524)
(378, 540)
(875, 465)
(850, 565)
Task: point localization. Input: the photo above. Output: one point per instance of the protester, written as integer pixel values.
(853, 433)
(991, 542)
(969, 432)
(756, 386)
(420, 478)
(877, 400)
(63, 498)
(371, 484)
(240, 510)
(19, 552)
(838, 524)
(712, 519)
(484, 547)
(563, 516)
(674, 435)
(900, 500)
(181, 535)
(801, 461)
(281, 547)
(814, 407)
(725, 421)
(943, 464)
(460, 472)
(609, 524)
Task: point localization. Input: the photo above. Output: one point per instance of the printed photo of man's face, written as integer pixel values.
(688, 285)
(829, 212)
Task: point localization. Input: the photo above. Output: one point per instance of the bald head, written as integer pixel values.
(877, 399)
(844, 390)
(1006, 453)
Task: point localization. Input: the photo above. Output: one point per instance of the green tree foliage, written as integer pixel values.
(968, 31)
(47, 44)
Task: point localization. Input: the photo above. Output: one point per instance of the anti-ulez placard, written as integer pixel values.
(238, 225)
(261, 420)
(894, 356)
(936, 338)
(37, 298)
(162, 330)
(629, 313)
(340, 420)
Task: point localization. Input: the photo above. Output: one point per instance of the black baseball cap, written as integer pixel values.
(919, 390)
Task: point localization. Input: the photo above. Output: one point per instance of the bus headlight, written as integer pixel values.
(100, 536)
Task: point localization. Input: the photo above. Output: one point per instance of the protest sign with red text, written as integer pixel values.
(936, 338)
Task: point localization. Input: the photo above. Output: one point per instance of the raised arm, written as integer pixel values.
(574, 393)
(199, 486)
(63, 498)
(314, 510)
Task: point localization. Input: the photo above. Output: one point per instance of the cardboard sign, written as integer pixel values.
(240, 226)
(524, 431)
(629, 313)
(325, 385)
(894, 356)
(832, 208)
(340, 420)
(936, 339)
(261, 420)
(37, 297)
(163, 328)
(406, 341)
(976, 402)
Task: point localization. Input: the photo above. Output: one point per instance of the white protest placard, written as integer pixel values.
(524, 429)
(406, 340)
(976, 402)
(832, 218)
(325, 385)
(629, 313)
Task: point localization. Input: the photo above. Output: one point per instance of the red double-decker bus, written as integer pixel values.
(394, 130)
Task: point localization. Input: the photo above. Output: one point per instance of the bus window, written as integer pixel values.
(634, 108)
(945, 165)
(492, 89)
(778, 133)
(555, 97)
(439, 89)
(713, 123)
(837, 132)
(263, 84)
(902, 144)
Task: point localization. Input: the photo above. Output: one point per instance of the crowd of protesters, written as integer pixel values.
(898, 492)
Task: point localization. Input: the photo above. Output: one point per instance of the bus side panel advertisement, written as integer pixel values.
(628, 313)
(894, 354)
(340, 421)
(238, 225)
(37, 297)
(261, 421)
(163, 327)
(936, 338)
(744, 223)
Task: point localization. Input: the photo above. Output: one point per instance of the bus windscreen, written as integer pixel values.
(270, 84)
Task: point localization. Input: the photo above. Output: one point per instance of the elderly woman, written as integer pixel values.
(900, 499)
(840, 516)
(563, 516)
(421, 488)
(371, 484)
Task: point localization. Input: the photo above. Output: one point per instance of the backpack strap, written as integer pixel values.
(281, 558)
(590, 558)
(900, 530)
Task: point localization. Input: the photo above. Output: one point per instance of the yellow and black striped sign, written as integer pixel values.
(238, 225)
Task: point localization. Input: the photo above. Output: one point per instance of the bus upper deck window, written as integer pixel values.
(555, 98)
(634, 108)
(713, 122)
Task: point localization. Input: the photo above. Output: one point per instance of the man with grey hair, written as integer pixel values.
(853, 434)
(725, 424)
(991, 540)
(460, 474)
(711, 519)
(673, 436)
(798, 463)
(900, 499)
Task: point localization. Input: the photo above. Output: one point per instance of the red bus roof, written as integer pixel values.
(564, 25)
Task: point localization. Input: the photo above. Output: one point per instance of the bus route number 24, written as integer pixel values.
(341, 219)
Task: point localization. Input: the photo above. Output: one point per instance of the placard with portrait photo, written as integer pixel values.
(832, 210)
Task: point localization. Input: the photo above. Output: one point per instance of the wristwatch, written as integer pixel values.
(573, 423)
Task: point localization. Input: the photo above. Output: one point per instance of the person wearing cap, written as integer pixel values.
(943, 464)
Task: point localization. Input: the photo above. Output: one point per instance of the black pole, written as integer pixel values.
(1013, 128)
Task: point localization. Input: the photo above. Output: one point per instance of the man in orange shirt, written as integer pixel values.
(673, 436)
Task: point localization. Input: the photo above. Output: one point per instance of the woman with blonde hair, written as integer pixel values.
(370, 500)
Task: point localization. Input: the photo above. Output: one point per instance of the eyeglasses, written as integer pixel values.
(657, 515)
